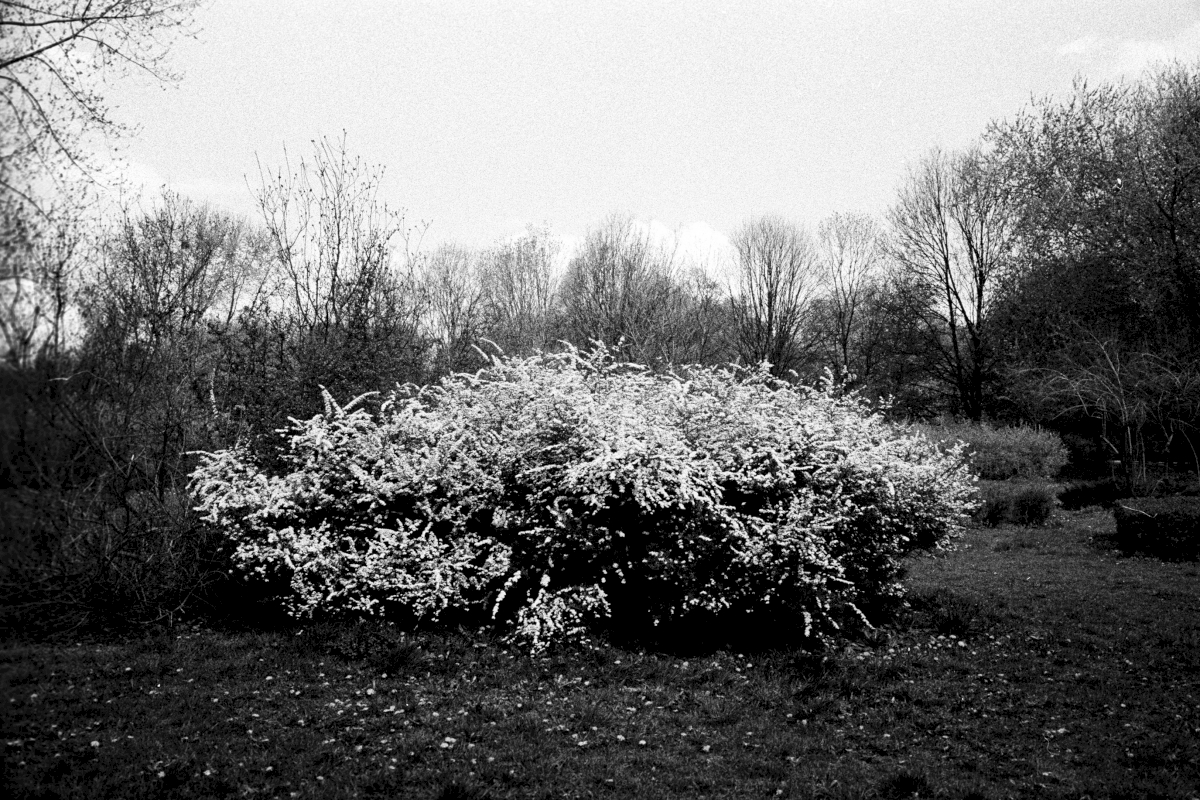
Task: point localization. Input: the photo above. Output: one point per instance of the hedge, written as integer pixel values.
(1015, 503)
(1166, 527)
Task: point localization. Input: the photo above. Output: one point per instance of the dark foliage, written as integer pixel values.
(1015, 504)
(1167, 527)
(1097, 318)
(1081, 494)
(1032, 505)
(905, 784)
(97, 438)
(106, 559)
(461, 791)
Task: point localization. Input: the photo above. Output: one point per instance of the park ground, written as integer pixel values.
(1034, 662)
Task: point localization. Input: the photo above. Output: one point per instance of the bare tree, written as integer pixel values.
(40, 259)
(520, 285)
(450, 283)
(55, 56)
(776, 278)
(701, 321)
(351, 313)
(1142, 401)
(850, 250)
(619, 289)
(135, 389)
(101, 431)
(177, 266)
(335, 239)
(951, 237)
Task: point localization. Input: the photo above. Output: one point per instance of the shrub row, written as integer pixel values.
(1015, 503)
(1109, 492)
(1167, 527)
(77, 559)
(999, 454)
(546, 495)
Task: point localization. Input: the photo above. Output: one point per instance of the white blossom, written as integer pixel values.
(539, 490)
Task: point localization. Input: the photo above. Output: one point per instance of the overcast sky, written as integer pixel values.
(695, 115)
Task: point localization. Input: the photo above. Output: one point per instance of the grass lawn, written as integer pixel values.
(1034, 664)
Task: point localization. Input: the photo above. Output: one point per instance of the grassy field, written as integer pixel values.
(1034, 663)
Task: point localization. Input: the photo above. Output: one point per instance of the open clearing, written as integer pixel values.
(1035, 663)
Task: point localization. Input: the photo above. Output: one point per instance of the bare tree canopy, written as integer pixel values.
(54, 57)
(335, 239)
(38, 277)
(618, 289)
(453, 298)
(1140, 399)
(181, 264)
(850, 249)
(1108, 184)
(952, 234)
(520, 287)
(776, 280)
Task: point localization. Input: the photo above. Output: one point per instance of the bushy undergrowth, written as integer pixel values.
(998, 454)
(1015, 503)
(1167, 527)
(1084, 493)
(551, 493)
(89, 559)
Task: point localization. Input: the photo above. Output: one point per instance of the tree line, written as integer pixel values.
(1047, 273)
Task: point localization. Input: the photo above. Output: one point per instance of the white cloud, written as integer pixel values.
(707, 248)
(136, 182)
(697, 244)
(568, 246)
(1084, 46)
(1129, 57)
(234, 198)
(23, 317)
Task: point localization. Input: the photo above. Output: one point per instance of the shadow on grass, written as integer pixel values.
(904, 784)
(701, 634)
(946, 612)
(459, 791)
(383, 646)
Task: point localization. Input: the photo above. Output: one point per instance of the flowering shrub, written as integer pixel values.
(554, 492)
